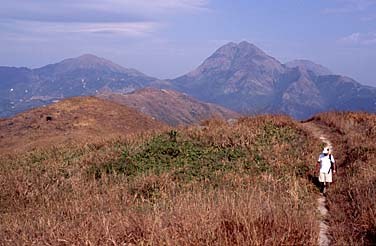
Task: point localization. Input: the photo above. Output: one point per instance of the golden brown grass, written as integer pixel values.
(352, 200)
(218, 184)
(74, 120)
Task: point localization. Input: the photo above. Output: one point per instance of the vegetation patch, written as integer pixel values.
(185, 158)
(218, 183)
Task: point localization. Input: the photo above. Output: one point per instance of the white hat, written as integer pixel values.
(326, 150)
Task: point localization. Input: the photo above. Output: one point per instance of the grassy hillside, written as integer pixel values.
(219, 183)
(73, 120)
(352, 201)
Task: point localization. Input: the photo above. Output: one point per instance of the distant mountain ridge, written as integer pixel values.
(23, 88)
(86, 61)
(240, 77)
(245, 79)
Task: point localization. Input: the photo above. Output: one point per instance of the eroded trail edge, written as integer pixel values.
(323, 239)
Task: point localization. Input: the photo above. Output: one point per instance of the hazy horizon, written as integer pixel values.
(168, 38)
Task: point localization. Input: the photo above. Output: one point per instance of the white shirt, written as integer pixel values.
(325, 163)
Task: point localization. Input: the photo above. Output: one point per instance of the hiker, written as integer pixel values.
(327, 167)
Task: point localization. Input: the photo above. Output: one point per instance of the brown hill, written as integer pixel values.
(170, 106)
(76, 119)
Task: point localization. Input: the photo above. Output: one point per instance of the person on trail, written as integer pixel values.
(326, 165)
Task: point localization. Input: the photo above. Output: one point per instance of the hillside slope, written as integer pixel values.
(309, 66)
(76, 119)
(171, 107)
(210, 185)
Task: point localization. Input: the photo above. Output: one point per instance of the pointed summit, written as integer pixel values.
(242, 56)
(247, 47)
(232, 50)
(88, 56)
(239, 69)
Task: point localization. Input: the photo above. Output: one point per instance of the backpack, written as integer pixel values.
(331, 163)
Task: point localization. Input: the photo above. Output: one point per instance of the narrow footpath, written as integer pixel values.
(323, 239)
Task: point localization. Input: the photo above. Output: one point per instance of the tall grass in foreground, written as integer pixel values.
(217, 184)
(352, 201)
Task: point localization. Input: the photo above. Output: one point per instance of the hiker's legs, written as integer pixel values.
(322, 182)
(322, 187)
(328, 180)
(325, 180)
(327, 185)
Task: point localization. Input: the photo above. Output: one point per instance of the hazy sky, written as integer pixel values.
(167, 38)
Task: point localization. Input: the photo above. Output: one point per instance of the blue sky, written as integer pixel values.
(167, 38)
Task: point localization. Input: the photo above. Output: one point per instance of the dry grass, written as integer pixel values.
(218, 184)
(74, 120)
(352, 200)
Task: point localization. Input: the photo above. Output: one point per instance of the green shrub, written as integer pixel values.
(187, 159)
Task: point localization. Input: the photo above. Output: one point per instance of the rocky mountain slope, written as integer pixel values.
(245, 79)
(171, 107)
(309, 66)
(239, 76)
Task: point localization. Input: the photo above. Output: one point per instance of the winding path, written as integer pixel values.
(323, 239)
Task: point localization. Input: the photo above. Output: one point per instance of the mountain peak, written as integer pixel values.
(243, 48)
(87, 62)
(235, 68)
(242, 56)
(248, 45)
(90, 60)
(240, 44)
(89, 57)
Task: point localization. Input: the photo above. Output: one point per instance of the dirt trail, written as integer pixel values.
(323, 239)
